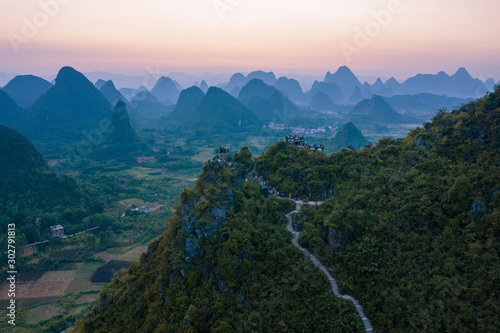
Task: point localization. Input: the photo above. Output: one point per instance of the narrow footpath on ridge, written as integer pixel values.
(314, 259)
(317, 263)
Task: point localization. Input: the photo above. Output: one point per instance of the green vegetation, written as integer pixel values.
(411, 227)
(226, 264)
(51, 316)
(54, 200)
(349, 137)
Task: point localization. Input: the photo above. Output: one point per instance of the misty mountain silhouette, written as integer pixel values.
(99, 83)
(291, 88)
(145, 105)
(356, 97)
(422, 103)
(349, 135)
(166, 89)
(121, 137)
(345, 79)
(239, 80)
(460, 84)
(267, 77)
(375, 109)
(73, 105)
(236, 81)
(321, 101)
(189, 101)
(112, 94)
(129, 93)
(10, 112)
(267, 102)
(26, 89)
(219, 112)
(204, 86)
(331, 89)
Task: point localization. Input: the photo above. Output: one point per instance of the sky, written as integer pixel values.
(372, 37)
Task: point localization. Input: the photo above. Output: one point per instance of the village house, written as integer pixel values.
(146, 208)
(56, 231)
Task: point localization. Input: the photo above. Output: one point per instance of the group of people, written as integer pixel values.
(298, 141)
(295, 140)
(223, 156)
(318, 147)
(262, 181)
(222, 150)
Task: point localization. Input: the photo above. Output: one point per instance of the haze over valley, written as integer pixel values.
(234, 166)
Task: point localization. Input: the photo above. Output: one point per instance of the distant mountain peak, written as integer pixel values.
(222, 113)
(375, 109)
(378, 84)
(345, 79)
(349, 135)
(69, 75)
(268, 78)
(204, 86)
(109, 91)
(462, 74)
(26, 89)
(164, 79)
(99, 83)
(237, 76)
(392, 80)
(189, 101)
(165, 88)
(343, 72)
(74, 104)
(345, 69)
(109, 84)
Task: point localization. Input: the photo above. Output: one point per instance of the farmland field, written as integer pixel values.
(43, 312)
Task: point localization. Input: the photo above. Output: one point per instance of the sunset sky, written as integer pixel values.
(286, 36)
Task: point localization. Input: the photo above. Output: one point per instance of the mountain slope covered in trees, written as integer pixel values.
(411, 227)
(73, 105)
(348, 137)
(29, 190)
(226, 264)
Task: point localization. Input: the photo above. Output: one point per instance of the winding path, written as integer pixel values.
(317, 263)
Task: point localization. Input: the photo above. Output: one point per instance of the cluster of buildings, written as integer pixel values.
(297, 130)
(297, 140)
(302, 130)
(146, 208)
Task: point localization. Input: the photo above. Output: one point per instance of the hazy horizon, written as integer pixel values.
(401, 38)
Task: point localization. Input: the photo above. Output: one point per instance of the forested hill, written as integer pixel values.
(226, 264)
(29, 190)
(411, 226)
